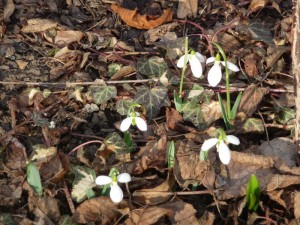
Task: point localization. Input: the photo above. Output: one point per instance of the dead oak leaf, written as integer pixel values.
(252, 96)
(134, 19)
(100, 209)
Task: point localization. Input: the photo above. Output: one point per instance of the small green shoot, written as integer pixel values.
(252, 194)
(34, 178)
(128, 141)
(171, 155)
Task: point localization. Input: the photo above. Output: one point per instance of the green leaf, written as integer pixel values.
(203, 155)
(192, 112)
(154, 66)
(152, 99)
(115, 143)
(260, 32)
(66, 220)
(171, 155)
(285, 115)
(6, 219)
(252, 194)
(128, 141)
(177, 102)
(113, 68)
(236, 105)
(83, 181)
(253, 125)
(195, 94)
(102, 94)
(123, 106)
(90, 193)
(224, 114)
(34, 178)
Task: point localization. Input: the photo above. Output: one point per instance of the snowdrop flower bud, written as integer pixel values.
(221, 144)
(116, 193)
(133, 119)
(195, 59)
(215, 73)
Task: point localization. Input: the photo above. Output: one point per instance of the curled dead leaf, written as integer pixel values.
(134, 19)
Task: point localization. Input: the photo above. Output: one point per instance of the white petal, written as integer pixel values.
(180, 62)
(214, 75)
(231, 66)
(208, 144)
(103, 180)
(116, 193)
(233, 139)
(210, 60)
(224, 153)
(196, 66)
(141, 123)
(200, 57)
(126, 124)
(124, 178)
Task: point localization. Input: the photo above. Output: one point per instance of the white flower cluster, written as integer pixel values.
(195, 59)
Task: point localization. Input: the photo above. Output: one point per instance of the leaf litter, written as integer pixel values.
(71, 71)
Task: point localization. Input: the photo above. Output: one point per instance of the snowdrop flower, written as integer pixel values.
(215, 73)
(133, 119)
(116, 193)
(221, 144)
(195, 59)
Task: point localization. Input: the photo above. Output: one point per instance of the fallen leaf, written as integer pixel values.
(100, 209)
(251, 67)
(21, 64)
(297, 206)
(38, 25)
(154, 34)
(134, 19)
(8, 10)
(251, 97)
(257, 4)
(146, 216)
(173, 117)
(154, 196)
(187, 8)
(124, 71)
(65, 37)
(15, 154)
(49, 206)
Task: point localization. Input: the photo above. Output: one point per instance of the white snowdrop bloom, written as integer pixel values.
(195, 59)
(222, 148)
(116, 193)
(215, 73)
(133, 119)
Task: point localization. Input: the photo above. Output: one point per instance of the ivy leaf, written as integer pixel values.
(34, 178)
(253, 125)
(192, 112)
(114, 142)
(84, 180)
(6, 219)
(154, 66)
(102, 94)
(123, 106)
(286, 115)
(260, 32)
(199, 94)
(152, 99)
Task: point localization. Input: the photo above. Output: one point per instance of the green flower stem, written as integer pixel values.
(227, 80)
(184, 66)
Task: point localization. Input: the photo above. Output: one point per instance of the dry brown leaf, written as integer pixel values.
(100, 209)
(251, 67)
(21, 64)
(49, 206)
(154, 34)
(173, 117)
(153, 196)
(10, 193)
(297, 206)
(8, 10)
(65, 37)
(134, 19)
(211, 111)
(182, 213)
(228, 41)
(38, 25)
(187, 8)
(124, 71)
(15, 154)
(252, 96)
(257, 4)
(151, 156)
(146, 216)
(188, 167)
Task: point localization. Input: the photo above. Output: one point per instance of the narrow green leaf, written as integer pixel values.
(34, 179)
(178, 102)
(236, 106)
(171, 155)
(128, 141)
(252, 193)
(224, 114)
(203, 155)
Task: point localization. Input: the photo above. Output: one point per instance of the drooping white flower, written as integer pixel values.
(116, 193)
(195, 59)
(222, 148)
(215, 73)
(133, 119)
